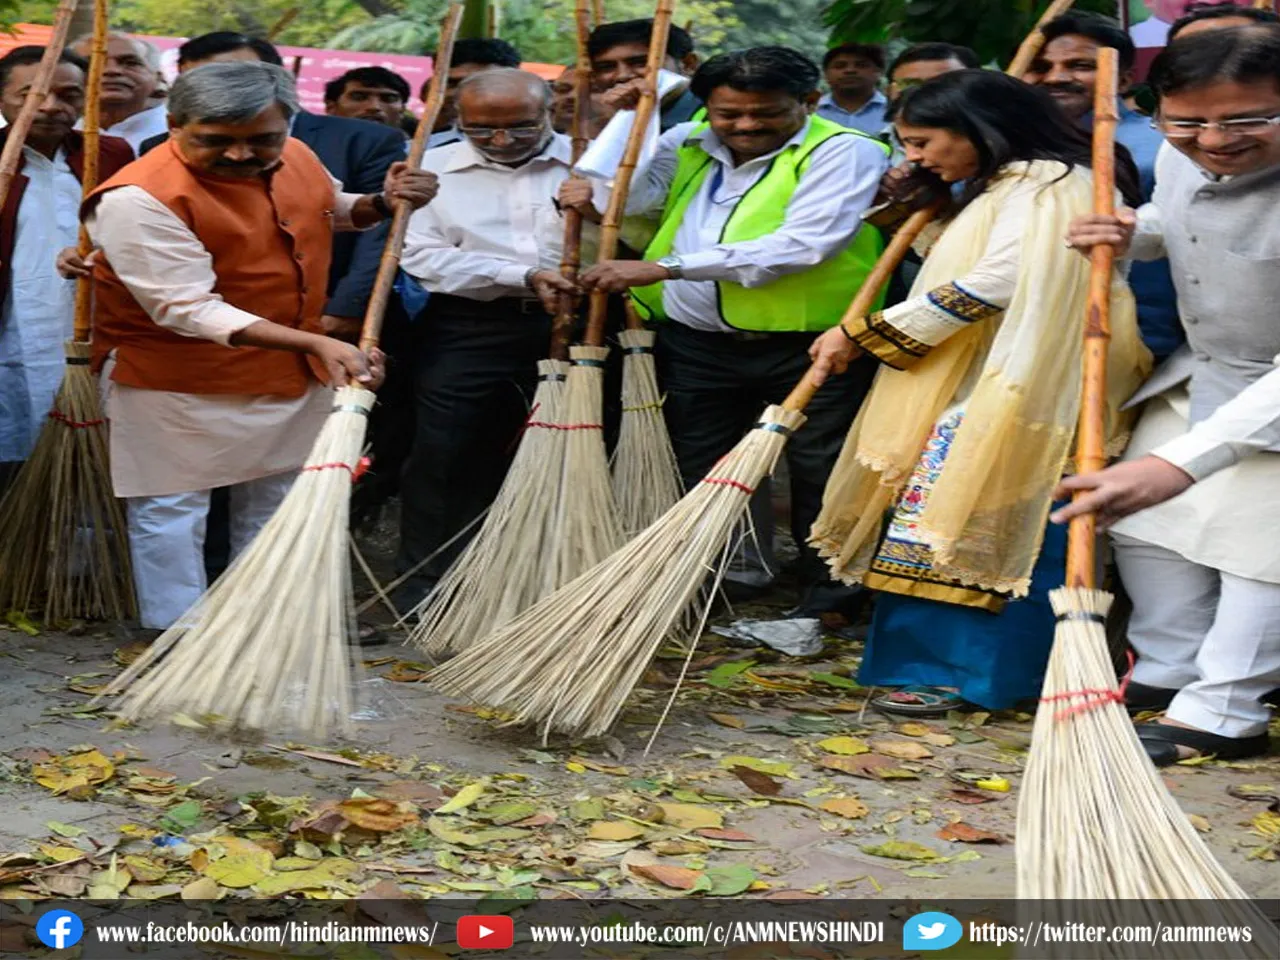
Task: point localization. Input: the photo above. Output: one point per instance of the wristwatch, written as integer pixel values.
(384, 209)
(673, 266)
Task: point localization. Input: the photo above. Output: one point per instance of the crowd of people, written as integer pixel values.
(237, 238)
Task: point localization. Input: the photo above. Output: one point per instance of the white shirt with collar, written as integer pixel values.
(39, 305)
(824, 215)
(489, 224)
(141, 126)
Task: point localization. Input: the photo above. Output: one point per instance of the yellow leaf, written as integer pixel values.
(133, 830)
(329, 872)
(574, 767)
(611, 769)
(1200, 823)
(902, 749)
(728, 720)
(240, 870)
(998, 784)
(1267, 824)
(205, 888)
(690, 816)
(844, 746)
(380, 816)
(782, 686)
(939, 739)
(913, 729)
(614, 830)
(60, 854)
(65, 773)
(145, 869)
(774, 768)
(464, 797)
(849, 807)
(901, 850)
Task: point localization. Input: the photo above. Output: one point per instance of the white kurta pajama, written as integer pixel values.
(169, 450)
(39, 305)
(1203, 568)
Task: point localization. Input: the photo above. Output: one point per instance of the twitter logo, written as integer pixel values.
(931, 931)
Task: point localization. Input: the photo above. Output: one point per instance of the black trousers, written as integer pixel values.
(475, 379)
(716, 386)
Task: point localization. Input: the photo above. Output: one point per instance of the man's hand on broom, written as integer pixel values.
(347, 364)
(1118, 491)
(577, 193)
(71, 266)
(619, 276)
(1087, 232)
(831, 354)
(548, 285)
(404, 182)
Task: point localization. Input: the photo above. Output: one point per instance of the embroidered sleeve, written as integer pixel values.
(903, 335)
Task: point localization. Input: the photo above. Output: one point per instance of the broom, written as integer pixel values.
(571, 661)
(502, 571)
(587, 526)
(67, 551)
(646, 476)
(268, 645)
(1095, 821)
(1030, 48)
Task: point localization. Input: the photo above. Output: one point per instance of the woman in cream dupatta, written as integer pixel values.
(941, 495)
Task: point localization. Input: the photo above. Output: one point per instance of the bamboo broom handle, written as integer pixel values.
(612, 223)
(571, 258)
(1264, 5)
(597, 11)
(1091, 440)
(880, 274)
(1034, 42)
(390, 263)
(89, 180)
(17, 134)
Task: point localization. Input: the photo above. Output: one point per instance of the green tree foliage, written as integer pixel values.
(994, 28)
(793, 23)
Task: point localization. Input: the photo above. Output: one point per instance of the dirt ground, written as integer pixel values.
(770, 778)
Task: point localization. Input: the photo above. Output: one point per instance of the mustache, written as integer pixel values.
(253, 164)
(1065, 87)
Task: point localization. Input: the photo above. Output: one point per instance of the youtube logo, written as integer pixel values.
(486, 933)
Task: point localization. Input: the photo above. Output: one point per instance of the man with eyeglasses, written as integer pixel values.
(1067, 69)
(1194, 506)
(488, 251)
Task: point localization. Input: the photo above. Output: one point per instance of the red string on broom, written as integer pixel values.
(1095, 697)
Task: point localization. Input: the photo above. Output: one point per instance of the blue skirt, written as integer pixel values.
(994, 659)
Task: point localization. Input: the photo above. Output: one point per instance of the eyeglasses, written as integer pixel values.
(1243, 127)
(527, 131)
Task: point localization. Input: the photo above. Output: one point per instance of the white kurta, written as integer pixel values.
(39, 305)
(166, 443)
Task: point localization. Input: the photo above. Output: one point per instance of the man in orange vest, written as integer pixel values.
(210, 286)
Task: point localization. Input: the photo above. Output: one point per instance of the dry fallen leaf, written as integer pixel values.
(913, 728)
(1201, 824)
(848, 807)
(732, 836)
(380, 816)
(844, 746)
(901, 850)
(76, 773)
(463, 798)
(614, 830)
(691, 816)
(677, 878)
(758, 782)
(869, 766)
(965, 833)
(728, 720)
(970, 796)
(901, 749)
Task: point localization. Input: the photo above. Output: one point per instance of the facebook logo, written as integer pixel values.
(59, 929)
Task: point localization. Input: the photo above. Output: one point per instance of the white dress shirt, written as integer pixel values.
(162, 442)
(824, 215)
(489, 224)
(141, 126)
(39, 306)
(869, 118)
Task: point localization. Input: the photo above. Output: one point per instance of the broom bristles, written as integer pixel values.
(500, 572)
(1095, 820)
(267, 647)
(570, 661)
(646, 477)
(65, 552)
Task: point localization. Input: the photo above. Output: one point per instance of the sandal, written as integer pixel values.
(1140, 698)
(1161, 741)
(919, 701)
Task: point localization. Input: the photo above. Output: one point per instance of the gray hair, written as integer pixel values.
(231, 92)
(147, 50)
(505, 81)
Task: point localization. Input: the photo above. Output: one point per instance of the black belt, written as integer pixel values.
(503, 308)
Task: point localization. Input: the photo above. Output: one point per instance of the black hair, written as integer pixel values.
(1105, 31)
(609, 35)
(921, 52)
(369, 77)
(1236, 55)
(1005, 120)
(872, 51)
(27, 55)
(756, 70)
(486, 51)
(1219, 11)
(224, 41)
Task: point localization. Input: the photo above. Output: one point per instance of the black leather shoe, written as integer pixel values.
(1162, 740)
(1138, 698)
